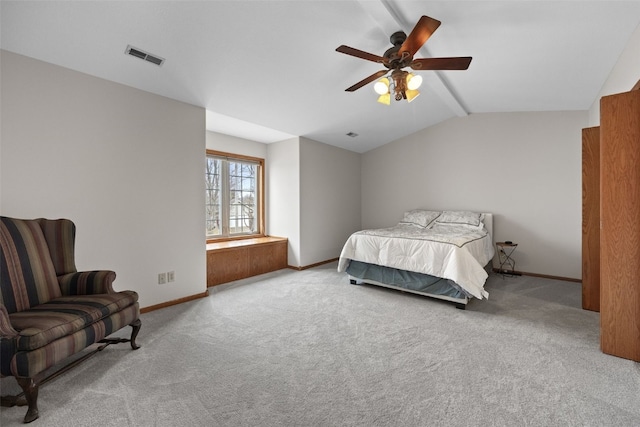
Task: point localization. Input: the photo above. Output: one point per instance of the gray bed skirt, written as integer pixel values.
(409, 280)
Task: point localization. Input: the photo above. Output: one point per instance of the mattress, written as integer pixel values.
(455, 253)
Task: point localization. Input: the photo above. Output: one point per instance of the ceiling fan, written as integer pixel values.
(404, 83)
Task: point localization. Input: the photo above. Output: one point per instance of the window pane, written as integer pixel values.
(213, 200)
(243, 200)
(232, 196)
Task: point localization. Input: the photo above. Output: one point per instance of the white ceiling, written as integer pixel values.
(268, 70)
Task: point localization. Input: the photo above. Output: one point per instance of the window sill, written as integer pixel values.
(212, 246)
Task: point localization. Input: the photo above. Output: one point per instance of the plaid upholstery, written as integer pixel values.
(30, 363)
(87, 282)
(7, 341)
(27, 275)
(48, 310)
(6, 330)
(60, 235)
(64, 316)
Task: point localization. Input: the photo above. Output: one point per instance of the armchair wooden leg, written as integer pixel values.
(30, 386)
(30, 389)
(136, 325)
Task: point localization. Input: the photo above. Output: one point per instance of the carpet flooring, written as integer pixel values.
(306, 348)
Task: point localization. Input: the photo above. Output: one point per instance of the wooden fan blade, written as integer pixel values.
(458, 63)
(366, 81)
(360, 54)
(419, 35)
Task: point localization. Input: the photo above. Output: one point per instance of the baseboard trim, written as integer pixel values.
(305, 267)
(174, 302)
(543, 276)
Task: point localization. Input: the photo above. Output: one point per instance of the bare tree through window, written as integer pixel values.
(232, 196)
(213, 199)
(242, 179)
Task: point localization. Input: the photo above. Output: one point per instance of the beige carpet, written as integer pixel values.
(306, 348)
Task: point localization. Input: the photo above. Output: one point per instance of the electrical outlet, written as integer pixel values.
(162, 278)
(171, 276)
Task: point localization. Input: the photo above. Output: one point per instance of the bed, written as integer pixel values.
(440, 254)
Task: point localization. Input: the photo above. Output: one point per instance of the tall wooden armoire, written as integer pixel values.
(591, 219)
(620, 225)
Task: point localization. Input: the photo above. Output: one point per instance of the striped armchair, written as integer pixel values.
(48, 310)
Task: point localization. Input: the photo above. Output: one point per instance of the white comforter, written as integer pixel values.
(451, 252)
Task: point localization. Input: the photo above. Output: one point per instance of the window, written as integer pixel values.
(234, 195)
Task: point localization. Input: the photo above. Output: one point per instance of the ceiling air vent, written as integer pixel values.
(352, 134)
(134, 51)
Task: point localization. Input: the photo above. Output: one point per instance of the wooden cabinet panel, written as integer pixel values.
(227, 265)
(620, 232)
(268, 257)
(229, 261)
(591, 219)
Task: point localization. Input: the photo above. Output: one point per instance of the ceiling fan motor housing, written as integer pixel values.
(394, 59)
(398, 38)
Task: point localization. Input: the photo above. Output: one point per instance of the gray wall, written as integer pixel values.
(330, 199)
(313, 198)
(525, 168)
(313, 193)
(622, 78)
(283, 194)
(125, 165)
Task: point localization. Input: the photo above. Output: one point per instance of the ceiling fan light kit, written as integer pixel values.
(403, 83)
(413, 81)
(385, 99)
(382, 86)
(411, 94)
(404, 86)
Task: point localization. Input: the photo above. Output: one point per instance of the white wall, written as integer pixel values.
(313, 198)
(234, 145)
(125, 165)
(245, 147)
(523, 167)
(283, 194)
(330, 199)
(622, 78)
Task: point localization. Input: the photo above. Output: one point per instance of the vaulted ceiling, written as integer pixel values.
(268, 70)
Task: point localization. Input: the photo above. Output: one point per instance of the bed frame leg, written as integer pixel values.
(353, 281)
(461, 306)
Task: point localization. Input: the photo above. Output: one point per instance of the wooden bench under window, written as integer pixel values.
(239, 259)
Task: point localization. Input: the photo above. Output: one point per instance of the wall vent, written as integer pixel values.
(138, 53)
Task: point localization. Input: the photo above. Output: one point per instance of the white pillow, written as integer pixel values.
(420, 218)
(466, 218)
